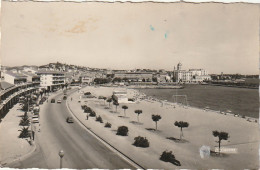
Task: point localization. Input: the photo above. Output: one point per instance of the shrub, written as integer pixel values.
(83, 107)
(99, 119)
(87, 93)
(92, 114)
(122, 131)
(24, 133)
(255, 121)
(169, 157)
(131, 99)
(87, 109)
(141, 142)
(108, 125)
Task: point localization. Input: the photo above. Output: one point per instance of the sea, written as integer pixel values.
(240, 101)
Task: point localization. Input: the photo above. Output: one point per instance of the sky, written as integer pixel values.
(213, 36)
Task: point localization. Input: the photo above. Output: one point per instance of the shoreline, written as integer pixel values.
(201, 124)
(150, 98)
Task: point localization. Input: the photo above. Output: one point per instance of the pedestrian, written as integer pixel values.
(87, 116)
(71, 98)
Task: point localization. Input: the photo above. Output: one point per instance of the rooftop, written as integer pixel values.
(16, 75)
(4, 85)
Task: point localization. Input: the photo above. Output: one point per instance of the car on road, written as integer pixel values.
(59, 101)
(35, 119)
(52, 100)
(69, 119)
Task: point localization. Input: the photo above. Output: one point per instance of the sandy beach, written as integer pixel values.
(244, 135)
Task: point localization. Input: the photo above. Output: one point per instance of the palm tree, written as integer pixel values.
(24, 121)
(221, 136)
(124, 107)
(156, 118)
(138, 112)
(116, 104)
(181, 125)
(109, 100)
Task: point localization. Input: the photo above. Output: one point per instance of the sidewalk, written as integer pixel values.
(12, 147)
(199, 133)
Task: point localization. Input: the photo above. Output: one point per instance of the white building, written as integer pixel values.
(190, 76)
(51, 79)
(14, 77)
(120, 96)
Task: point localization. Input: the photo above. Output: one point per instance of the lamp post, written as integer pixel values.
(61, 154)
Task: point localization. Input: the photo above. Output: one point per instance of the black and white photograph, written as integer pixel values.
(125, 85)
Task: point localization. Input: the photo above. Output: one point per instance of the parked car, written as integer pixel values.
(59, 101)
(35, 119)
(69, 119)
(52, 100)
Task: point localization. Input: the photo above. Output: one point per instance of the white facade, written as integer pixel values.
(9, 79)
(86, 79)
(51, 79)
(191, 76)
(121, 96)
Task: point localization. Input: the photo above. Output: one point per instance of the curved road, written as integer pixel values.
(82, 150)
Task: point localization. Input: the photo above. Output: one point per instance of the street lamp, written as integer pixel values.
(61, 154)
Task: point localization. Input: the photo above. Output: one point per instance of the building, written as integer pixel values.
(51, 80)
(14, 77)
(31, 77)
(85, 79)
(10, 93)
(120, 96)
(190, 76)
(134, 76)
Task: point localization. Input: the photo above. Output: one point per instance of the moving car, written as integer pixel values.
(69, 119)
(59, 101)
(52, 100)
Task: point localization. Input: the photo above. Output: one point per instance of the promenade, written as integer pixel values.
(243, 134)
(11, 146)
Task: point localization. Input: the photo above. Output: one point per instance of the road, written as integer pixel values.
(82, 150)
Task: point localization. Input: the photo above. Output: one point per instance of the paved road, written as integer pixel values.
(82, 150)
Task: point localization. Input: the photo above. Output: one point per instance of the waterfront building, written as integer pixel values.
(134, 76)
(51, 80)
(120, 96)
(190, 76)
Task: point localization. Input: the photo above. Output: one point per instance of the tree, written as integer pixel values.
(24, 121)
(124, 107)
(116, 104)
(109, 100)
(156, 118)
(138, 112)
(181, 125)
(221, 136)
(24, 132)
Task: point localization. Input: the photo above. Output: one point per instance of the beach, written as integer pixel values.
(244, 136)
(239, 101)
